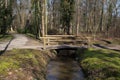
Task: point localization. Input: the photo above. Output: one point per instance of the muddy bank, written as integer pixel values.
(24, 64)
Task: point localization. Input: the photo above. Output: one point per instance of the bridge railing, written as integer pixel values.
(56, 39)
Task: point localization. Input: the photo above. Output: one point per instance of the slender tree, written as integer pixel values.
(5, 15)
(67, 11)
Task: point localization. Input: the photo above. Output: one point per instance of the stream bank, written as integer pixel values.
(100, 64)
(28, 64)
(22, 64)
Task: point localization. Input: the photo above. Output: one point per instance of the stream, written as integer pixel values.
(64, 68)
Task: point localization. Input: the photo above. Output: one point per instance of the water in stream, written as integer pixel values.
(63, 68)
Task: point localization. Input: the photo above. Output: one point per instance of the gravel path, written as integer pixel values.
(22, 42)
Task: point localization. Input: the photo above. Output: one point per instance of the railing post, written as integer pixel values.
(48, 41)
(44, 43)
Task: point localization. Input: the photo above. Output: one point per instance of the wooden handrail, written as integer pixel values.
(59, 35)
(48, 39)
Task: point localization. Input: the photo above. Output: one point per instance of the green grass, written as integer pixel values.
(7, 64)
(5, 37)
(30, 61)
(101, 64)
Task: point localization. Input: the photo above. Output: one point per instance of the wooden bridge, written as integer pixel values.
(63, 41)
(65, 47)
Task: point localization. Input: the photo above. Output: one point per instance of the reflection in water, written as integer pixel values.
(63, 68)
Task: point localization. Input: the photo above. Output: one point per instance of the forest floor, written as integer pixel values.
(106, 44)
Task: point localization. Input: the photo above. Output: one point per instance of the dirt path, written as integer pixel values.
(20, 41)
(110, 47)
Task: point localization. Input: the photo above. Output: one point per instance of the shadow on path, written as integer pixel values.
(106, 41)
(105, 47)
(1, 52)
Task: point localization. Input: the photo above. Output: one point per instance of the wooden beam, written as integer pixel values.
(60, 35)
(46, 17)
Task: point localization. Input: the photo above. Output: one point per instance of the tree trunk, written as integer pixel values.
(43, 18)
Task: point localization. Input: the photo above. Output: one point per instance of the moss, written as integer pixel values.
(7, 64)
(100, 64)
(29, 61)
(113, 78)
